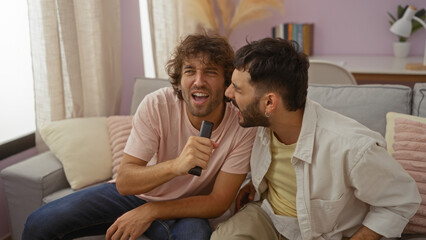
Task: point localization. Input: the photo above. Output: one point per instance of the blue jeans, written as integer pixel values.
(91, 212)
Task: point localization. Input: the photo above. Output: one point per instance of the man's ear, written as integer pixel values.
(271, 102)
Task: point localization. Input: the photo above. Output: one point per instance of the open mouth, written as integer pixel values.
(235, 103)
(200, 98)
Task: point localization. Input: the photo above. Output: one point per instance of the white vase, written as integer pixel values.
(401, 49)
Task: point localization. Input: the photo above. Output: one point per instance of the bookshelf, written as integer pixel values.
(302, 33)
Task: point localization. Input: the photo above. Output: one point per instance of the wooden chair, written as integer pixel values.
(325, 72)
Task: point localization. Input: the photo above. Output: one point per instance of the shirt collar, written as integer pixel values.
(305, 143)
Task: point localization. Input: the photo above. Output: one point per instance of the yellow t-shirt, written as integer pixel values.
(281, 179)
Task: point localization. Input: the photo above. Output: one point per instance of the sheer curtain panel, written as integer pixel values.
(76, 54)
(168, 25)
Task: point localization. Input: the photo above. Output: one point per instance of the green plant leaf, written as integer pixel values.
(392, 17)
(416, 25)
(421, 14)
(401, 11)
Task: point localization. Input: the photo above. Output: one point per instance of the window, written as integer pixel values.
(148, 58)
(16, 80)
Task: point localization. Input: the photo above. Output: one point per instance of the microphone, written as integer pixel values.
(205, 131)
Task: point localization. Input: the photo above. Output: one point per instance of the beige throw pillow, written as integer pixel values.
(390, 127)
(82, 145)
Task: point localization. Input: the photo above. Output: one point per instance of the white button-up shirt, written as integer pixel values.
(345, 178)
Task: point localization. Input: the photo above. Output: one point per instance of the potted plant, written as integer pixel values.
(401, 48)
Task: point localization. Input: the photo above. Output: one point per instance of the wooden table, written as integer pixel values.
(379, 69)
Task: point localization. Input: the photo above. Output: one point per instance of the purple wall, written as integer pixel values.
(355, 27)
(131, 50)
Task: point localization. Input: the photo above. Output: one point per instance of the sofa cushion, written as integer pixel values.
(391, 118)
(368, 104)
(142, 87)
(119, 128)
(58, 194)
(82, 145)
(419, 99)
(406, 140)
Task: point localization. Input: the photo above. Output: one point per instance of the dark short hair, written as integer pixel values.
(215, 49)
(278, 65)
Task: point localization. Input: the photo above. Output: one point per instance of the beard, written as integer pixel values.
(216, 99)
(251, 116)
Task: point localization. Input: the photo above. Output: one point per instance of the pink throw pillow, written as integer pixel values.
(410, 151)
(119, 128)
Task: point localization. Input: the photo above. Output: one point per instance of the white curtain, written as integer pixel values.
(168, 26)
(76, 54)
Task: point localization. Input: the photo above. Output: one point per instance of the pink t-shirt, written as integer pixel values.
(160, 131)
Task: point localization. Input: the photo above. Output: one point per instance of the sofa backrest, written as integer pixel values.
(368, 104)
(142, 87)
(419, 100)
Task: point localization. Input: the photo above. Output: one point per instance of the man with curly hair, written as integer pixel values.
(154, 194)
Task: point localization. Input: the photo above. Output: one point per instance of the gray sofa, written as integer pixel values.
(40, 179)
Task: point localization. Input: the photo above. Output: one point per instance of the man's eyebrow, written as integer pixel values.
(235, 86)
(186, 66)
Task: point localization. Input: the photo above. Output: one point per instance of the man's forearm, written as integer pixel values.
(134, 178)
(203, 206)
(364, 233)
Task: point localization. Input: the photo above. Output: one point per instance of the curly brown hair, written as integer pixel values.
(215, 50)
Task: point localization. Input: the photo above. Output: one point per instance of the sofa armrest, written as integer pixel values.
(26, 184)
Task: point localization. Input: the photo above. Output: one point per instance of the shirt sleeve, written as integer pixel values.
(392, 194)
(238, 160)
(144, 138)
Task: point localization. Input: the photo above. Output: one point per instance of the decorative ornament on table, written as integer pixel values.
(223, 16)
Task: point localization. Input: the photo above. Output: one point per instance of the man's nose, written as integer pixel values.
(229, 92)
(199, 79)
